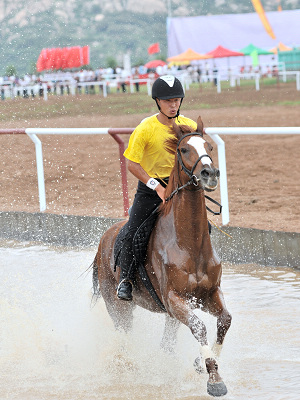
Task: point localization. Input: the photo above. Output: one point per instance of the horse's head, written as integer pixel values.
(193, 156)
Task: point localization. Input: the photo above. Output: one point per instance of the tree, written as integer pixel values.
(111, 62)
(11, 70)
(32, 68)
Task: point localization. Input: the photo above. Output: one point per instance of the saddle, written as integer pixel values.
(139, 247)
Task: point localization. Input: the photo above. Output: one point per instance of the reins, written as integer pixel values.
(207, 197)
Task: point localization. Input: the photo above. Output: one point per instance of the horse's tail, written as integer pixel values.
(96, 288)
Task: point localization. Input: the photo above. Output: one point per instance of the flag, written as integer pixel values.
(153, 48)
(261, 13)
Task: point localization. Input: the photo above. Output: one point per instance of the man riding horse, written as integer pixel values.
(151, 164)
(180, 270)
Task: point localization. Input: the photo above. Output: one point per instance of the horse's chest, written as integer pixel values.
(185, 273)
(189, 280)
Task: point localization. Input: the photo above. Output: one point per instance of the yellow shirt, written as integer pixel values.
(146, 146)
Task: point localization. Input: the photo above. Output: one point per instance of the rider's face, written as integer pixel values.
(169, 107)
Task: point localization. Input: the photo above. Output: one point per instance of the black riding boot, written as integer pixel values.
(124, 290)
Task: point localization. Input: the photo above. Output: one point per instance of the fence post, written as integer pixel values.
(257, 81)
(40, 170)
(218, 84)
(223, 177)
(123, 170)
(45, 89)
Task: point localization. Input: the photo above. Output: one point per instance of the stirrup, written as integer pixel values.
(127, 294)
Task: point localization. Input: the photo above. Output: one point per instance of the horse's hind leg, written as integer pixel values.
(121, 312)
(169, 338)
(105, 282)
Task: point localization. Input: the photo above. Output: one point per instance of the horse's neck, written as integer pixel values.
(190, 219)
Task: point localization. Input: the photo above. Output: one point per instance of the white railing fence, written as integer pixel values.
(214, 133)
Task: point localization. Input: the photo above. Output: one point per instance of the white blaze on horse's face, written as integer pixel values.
(198, 143)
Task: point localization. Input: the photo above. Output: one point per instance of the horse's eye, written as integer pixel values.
(183, 150)
(210, 147)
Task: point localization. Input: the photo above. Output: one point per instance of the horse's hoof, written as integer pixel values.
(198, 367)
(124, 290)
(216, 389)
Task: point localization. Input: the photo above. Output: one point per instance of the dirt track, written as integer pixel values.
(83, 177)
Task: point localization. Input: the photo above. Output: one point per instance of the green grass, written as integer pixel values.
(119, 103)
(289, 103)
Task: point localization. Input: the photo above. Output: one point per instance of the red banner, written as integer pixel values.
(153, 48)
(63, 58)
(85, 55)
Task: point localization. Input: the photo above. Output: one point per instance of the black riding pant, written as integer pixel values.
(145, 201)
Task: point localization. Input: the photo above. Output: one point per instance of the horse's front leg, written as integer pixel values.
(216, 306)
(181, 310)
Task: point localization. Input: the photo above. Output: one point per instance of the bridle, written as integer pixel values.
(190, 173)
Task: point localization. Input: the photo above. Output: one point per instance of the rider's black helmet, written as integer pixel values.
(167, 87)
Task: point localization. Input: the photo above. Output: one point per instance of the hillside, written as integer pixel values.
(110, 27)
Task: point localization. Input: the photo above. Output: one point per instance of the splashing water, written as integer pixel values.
(55, 345)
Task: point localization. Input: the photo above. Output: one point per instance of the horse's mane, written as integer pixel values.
(177, 131)
(170, 145)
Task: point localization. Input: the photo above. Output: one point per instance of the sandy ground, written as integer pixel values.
(82, 173)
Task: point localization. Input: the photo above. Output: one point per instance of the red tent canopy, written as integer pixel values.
(154, 64)
(220, 52)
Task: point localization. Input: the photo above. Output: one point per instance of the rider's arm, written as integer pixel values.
(138, 171)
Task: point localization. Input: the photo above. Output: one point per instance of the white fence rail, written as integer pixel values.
(212, 132)
(7, 90)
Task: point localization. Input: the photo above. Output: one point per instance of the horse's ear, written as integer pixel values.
(200, 126)
(177, 130)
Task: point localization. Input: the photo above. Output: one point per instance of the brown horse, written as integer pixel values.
(181, 263)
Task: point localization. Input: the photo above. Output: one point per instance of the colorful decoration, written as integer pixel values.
(261, 13)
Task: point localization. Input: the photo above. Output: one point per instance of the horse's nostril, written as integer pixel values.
(217, 173)
(205, 173)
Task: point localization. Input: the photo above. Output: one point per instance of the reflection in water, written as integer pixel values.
(55, 345)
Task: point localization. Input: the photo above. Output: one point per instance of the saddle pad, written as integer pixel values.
(119, 244)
